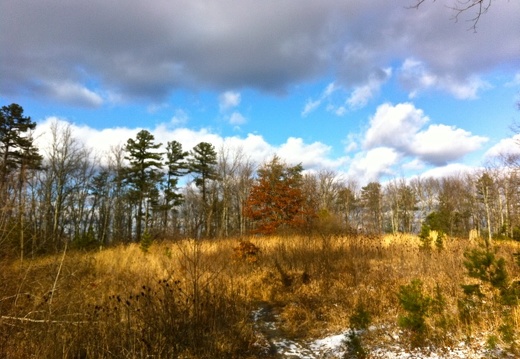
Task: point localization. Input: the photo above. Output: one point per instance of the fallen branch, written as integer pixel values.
(30, 320)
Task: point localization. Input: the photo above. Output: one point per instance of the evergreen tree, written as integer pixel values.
(203, 163)
(177, 167)
(143, 174)
(18, 155)
(16, 145)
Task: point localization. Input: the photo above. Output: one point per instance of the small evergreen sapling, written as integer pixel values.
(146, 242)
(419, 307)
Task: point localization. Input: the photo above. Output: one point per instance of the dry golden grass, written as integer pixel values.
(110, 303)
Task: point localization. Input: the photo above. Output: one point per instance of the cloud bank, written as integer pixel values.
(400, 141)
(88, 53)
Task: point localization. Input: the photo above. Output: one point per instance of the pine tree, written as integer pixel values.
(176, 167)
(18, 155)
(143, 174)
(203, 163)
(16, 146)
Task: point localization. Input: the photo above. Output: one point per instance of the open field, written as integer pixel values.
(197, 299)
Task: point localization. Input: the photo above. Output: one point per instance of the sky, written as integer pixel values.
(373, 90)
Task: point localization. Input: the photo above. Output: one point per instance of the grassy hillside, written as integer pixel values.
(194, 299)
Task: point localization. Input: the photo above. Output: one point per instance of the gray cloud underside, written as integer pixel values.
(136, 49)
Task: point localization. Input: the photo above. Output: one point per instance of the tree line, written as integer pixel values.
(66, 195)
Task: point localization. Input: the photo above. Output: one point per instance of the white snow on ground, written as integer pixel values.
(336, 346)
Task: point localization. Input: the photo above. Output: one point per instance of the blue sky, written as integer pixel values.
(373, 90)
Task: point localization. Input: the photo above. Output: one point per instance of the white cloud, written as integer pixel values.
(71, 93)
(254, 146)
(401, 127)
(414, 165)
(417, 78)
(394, 126)
(351, 142)
(452, 169)
(440, 144)
(506, 146)
(312, 105)
(362, 94)
(236, 118)
(358, 98)
(99, 141)
(468, 89)
(229, 99)
(371, 165)
(313, 156)
(179, 118)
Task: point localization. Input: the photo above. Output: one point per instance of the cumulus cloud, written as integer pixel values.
(373, 164)
(452, 169)
(312, 155)
(315, 155)
(381, 155)
(394, 126)
(99, 141)
(440, 144)
(506, 147)
(150, 49)
(401, 127)
(229, 99)
(400, 141)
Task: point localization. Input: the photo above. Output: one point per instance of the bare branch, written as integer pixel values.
(417, 4)
(462, 6)
(30, 320)
(481, 6)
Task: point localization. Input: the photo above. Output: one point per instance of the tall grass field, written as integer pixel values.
(195, 299)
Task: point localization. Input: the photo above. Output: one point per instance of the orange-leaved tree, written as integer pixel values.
(276, 200)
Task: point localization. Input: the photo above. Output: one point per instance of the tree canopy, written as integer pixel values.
(143, 173)
(16, 144)
(74, 196)
(276, 199)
